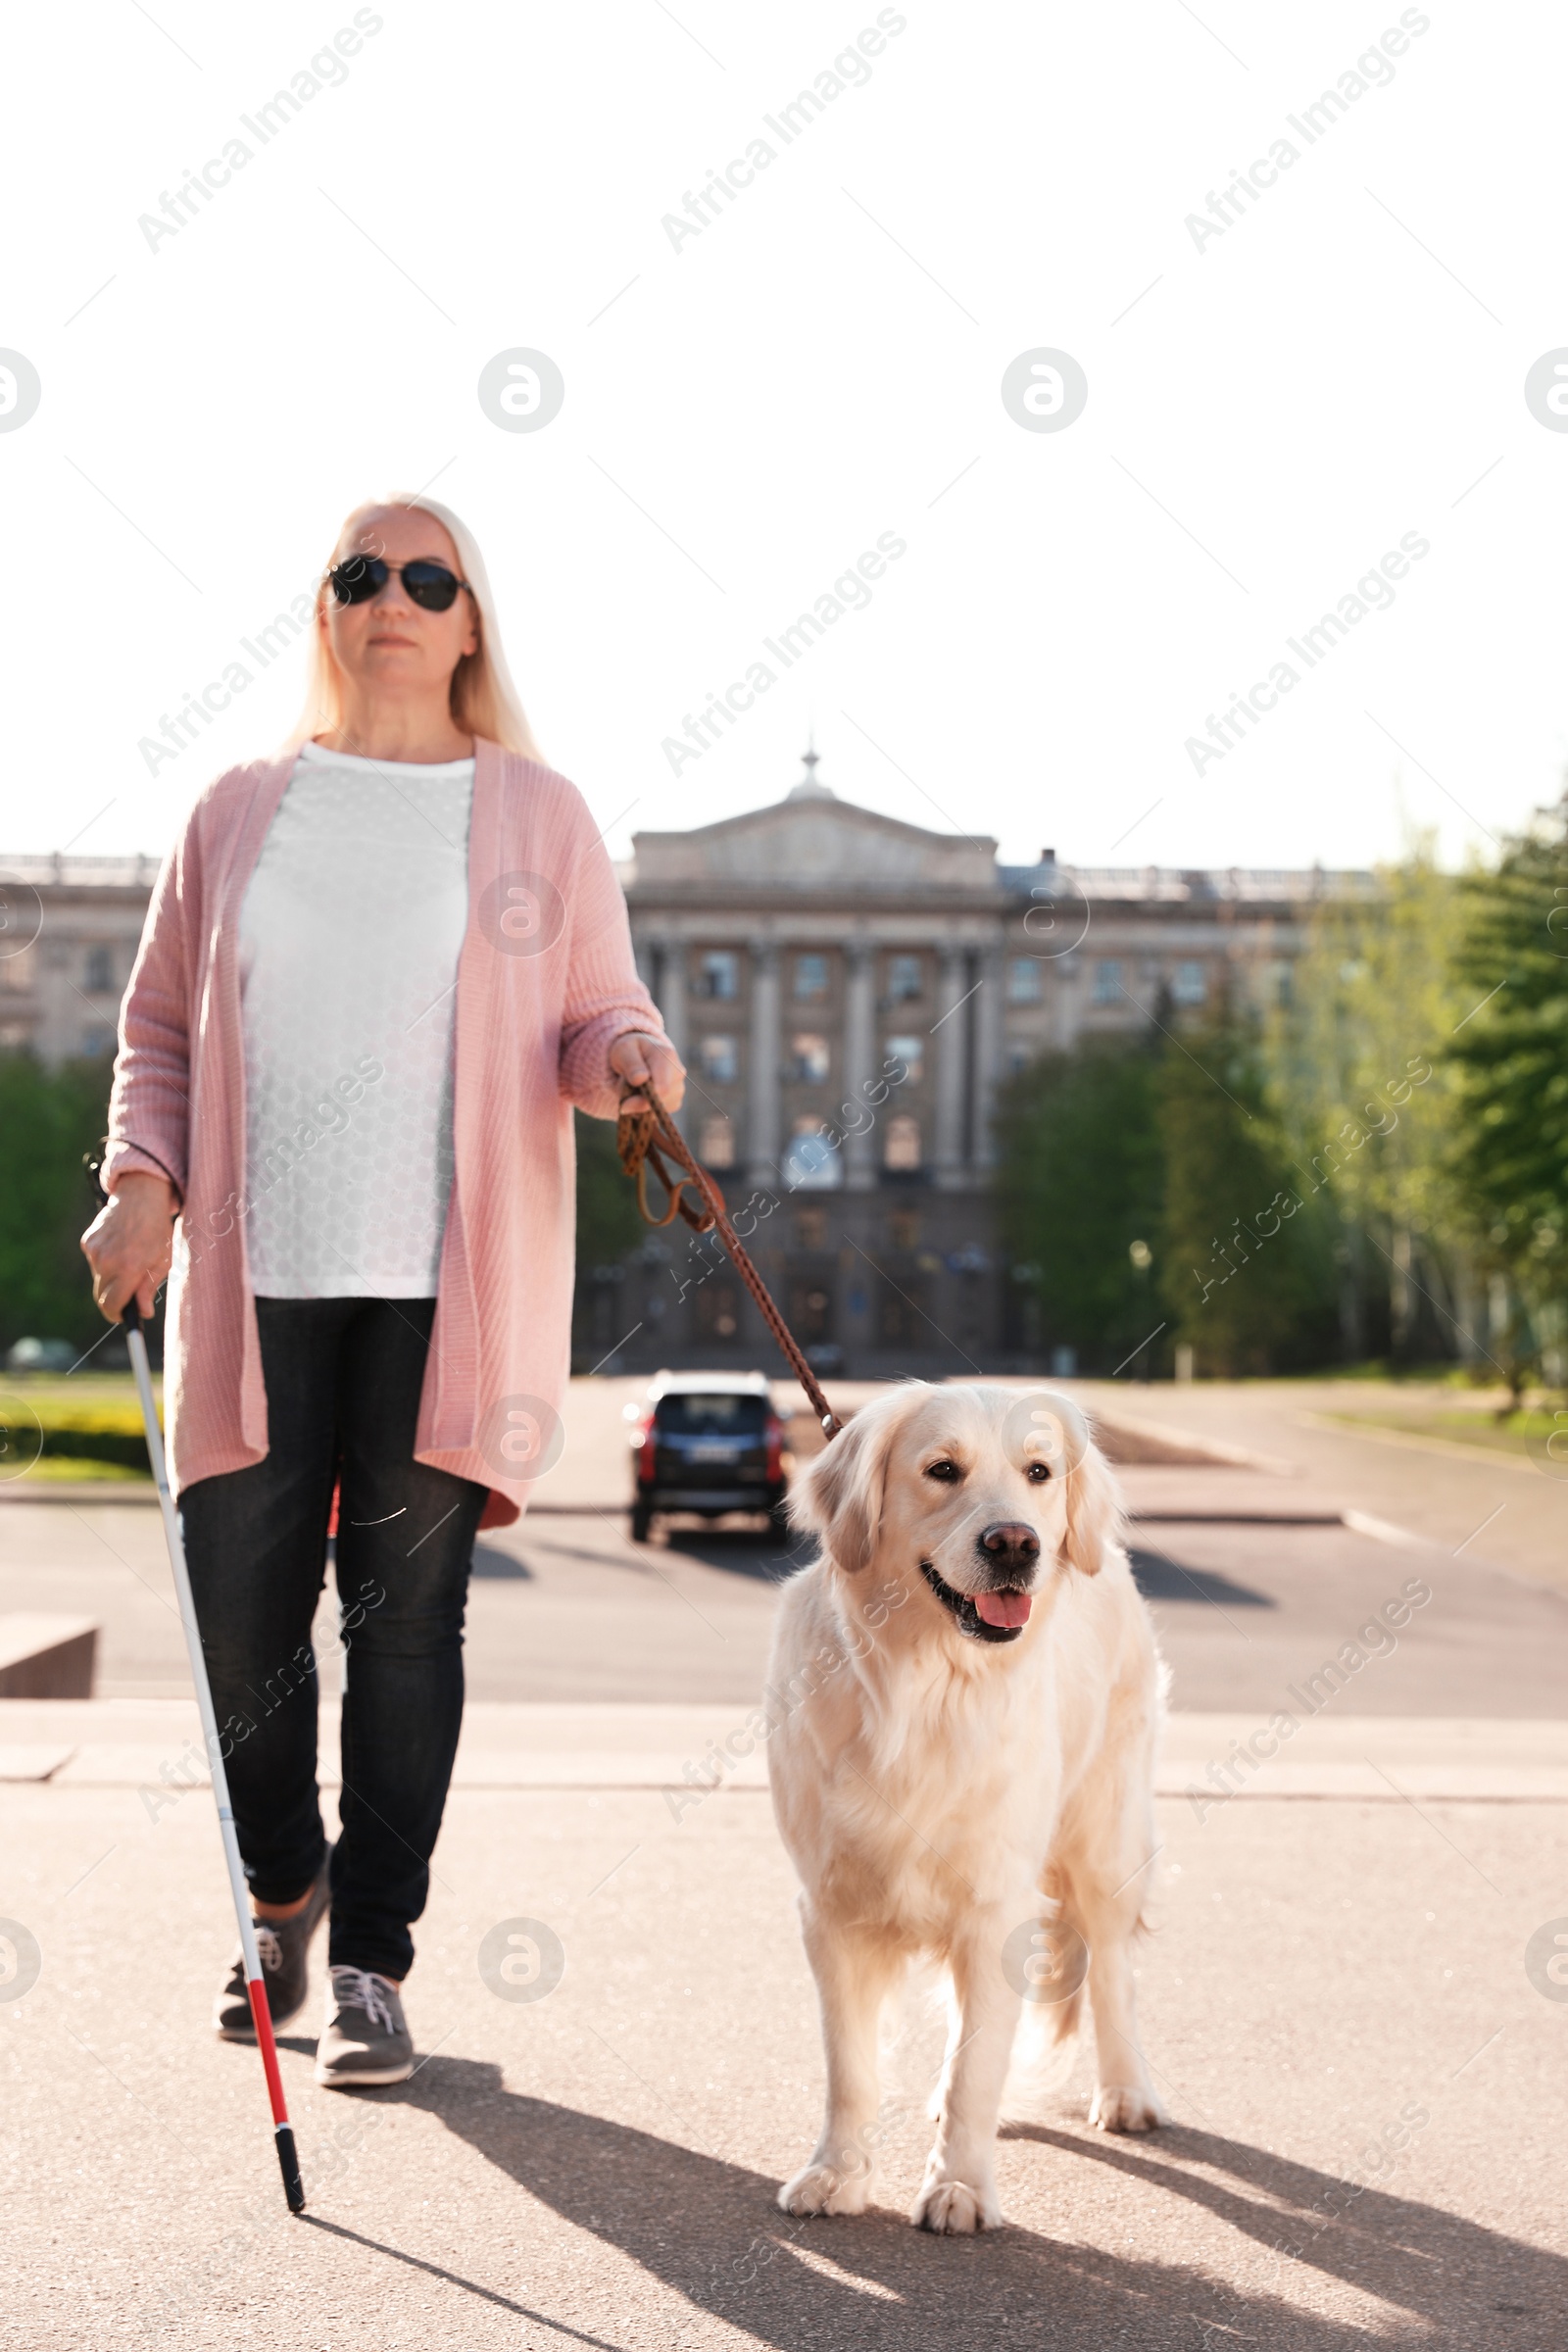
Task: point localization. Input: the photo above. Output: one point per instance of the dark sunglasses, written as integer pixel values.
(431, 586)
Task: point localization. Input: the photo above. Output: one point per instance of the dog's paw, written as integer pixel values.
(954, 2209)
(819, 2188)
(1124, 2107)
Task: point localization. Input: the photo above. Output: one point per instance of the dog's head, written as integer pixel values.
(982, 1492)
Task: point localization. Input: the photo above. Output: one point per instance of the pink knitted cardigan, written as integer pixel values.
(546, 983)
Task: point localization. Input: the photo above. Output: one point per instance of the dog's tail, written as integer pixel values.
(1051, 1975)
(1043, 2054)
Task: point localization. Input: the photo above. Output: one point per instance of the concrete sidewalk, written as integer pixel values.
(597, 2166)
(154, 1746)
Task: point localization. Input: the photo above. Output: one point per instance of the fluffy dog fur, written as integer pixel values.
(946, 1779)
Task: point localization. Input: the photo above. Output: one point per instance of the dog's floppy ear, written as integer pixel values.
(839, 1495)
(1094, 1509)
(1050, 1428)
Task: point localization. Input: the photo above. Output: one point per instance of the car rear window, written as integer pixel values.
(718, 1415)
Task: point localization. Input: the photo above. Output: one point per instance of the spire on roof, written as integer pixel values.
(809, 789)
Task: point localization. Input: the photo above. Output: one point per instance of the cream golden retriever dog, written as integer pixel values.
(967, 1696)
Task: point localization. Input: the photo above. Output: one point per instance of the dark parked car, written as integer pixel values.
(707, 1441)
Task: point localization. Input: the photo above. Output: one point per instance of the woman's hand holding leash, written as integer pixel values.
(637, 1059)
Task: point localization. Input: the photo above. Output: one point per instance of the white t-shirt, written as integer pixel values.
(349, 933)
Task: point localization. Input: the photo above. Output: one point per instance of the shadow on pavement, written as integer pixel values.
(742, 1552)
(433, 2270)
(1161, 1578)
(489, 1561)
(711, 2231)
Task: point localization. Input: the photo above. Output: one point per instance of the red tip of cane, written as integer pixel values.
(283, 2135)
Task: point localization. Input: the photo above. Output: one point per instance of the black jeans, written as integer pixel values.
(343, 1379)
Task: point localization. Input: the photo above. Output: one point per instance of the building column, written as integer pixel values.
(987, 1010)
(1066, 979)
(950, 1037)
(763, 1073)
(860, 1062)
(671, 997)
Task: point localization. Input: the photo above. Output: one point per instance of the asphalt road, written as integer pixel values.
(564, 1606)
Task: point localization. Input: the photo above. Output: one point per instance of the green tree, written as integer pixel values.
(1509, 1055)
(48, 1120)
(1247, 1268)
(608, 1221)
(1079, 1184)
(1370, 1106)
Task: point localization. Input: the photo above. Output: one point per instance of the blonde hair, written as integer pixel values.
(484, 701)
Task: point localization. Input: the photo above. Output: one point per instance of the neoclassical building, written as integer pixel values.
(848, 991)
(69, 932)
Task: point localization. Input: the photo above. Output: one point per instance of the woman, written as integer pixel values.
(376, 974)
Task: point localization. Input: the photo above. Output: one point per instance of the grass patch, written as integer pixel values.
(1477, 1428)
(102, 1400)
(89, 1425)
(62, 1469)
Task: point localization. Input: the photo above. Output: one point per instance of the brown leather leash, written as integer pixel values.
(643, 1138)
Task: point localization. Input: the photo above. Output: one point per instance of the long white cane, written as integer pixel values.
(136, 1339)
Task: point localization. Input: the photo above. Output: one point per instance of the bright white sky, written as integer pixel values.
(822, 365)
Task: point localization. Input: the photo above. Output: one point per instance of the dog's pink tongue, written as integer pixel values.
(1004, 1608)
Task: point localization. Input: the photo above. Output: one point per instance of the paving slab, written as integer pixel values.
(1366, 2087)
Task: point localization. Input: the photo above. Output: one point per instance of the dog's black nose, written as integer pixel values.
(1010, 1544)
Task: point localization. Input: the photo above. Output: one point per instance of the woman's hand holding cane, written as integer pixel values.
(129, 1242)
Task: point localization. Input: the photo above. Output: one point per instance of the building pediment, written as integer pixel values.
(814, 841)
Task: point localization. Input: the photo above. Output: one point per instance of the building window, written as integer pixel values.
(97, 1040)
(908, 1052)
(811, 1309)
(810, 977)
(1190, 984)
(1107, 984)
(905, 1228)
(811, 1164)
(1023, 981)
(1019, 1056)
(810, 1229)
(900, 1147)
(905, 979)
(901, 1321)
(718, 973)
(720, 1060)
(717, 1310)
(716, 1144)
(100, 970)
(810, 1060)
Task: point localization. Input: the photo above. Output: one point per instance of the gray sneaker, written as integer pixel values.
(365, 2038)
(284, 1946)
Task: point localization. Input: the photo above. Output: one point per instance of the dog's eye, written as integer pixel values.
(947, 1473)
(1038, 1472)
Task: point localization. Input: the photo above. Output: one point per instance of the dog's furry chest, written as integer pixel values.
(920, 1813)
